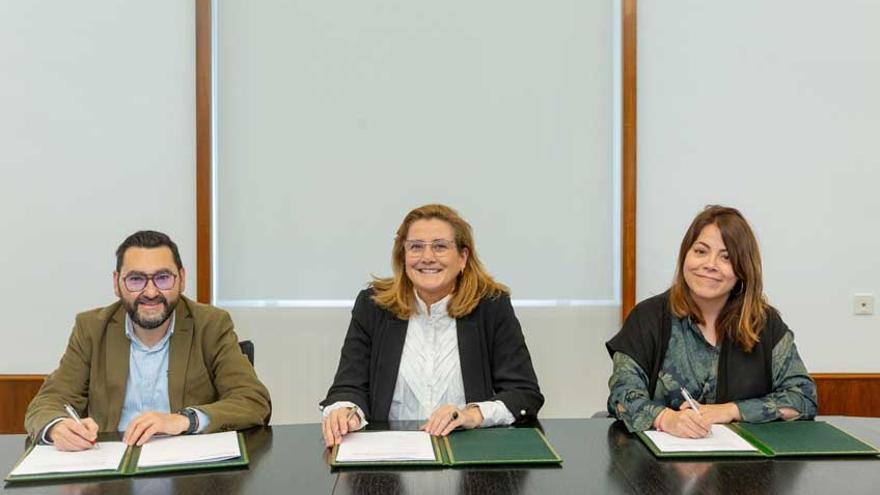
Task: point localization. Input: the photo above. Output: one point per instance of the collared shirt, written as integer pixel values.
(692, 362)
(430, 371)
(147, 385)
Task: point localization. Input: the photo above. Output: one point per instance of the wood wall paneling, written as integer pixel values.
(628, 154)
(204, 158)
(16, 392)
(848, 394)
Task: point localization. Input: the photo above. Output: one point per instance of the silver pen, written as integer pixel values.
(691, 402)
(351, 413)
(72, 413)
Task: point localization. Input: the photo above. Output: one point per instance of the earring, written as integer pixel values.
(739, 288)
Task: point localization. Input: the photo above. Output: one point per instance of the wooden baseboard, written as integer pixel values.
(16, 392)
(848, 394)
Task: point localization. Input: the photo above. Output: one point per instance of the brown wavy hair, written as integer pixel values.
(745, 313)
(396, 293)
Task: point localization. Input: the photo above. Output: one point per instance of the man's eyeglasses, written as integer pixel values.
(440, 247)
(136, 281)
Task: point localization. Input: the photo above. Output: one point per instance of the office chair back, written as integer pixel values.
(247, 348)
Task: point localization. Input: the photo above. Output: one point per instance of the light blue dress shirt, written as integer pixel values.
(147, 386)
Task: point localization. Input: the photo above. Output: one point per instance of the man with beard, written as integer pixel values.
(154, 362)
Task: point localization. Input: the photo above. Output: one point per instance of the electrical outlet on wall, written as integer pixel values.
(863, 304)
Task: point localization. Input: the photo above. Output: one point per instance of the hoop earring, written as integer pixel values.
(739, 288)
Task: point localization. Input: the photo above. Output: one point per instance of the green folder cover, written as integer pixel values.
(478, 447)
(784, 439)
(128, 466)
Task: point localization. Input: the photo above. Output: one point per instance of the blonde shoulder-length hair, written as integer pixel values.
(745, 313)
(396, 293)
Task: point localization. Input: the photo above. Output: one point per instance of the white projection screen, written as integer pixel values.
(335, 118)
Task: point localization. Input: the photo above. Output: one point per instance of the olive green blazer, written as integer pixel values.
(206, 370)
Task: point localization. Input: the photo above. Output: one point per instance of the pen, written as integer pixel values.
(72, 413)
(691, 402)
(351, 413)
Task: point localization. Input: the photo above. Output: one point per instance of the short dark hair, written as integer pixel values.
(147, 239)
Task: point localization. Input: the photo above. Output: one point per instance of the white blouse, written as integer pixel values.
(430, 371)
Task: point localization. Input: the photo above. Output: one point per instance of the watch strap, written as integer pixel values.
(193, 418)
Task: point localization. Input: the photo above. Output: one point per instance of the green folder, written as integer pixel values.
(784, 439)
(128, 466)
(478, 447)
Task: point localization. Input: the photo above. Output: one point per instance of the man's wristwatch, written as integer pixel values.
(193, 418)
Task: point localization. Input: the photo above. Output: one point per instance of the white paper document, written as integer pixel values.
(189, 449)
(386, 446)
(721, 439)
(46, 459)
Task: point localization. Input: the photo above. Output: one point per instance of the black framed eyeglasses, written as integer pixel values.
(137, 281)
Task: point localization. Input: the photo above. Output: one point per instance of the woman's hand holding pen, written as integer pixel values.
(339, 423)
(448, 417)
(695, 420)
(686, 423)
(689, 422)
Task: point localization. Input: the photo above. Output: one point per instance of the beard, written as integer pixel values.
(154, 322)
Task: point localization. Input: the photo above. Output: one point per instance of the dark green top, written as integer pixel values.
(692, 362)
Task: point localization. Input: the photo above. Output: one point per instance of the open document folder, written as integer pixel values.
(386, 446)
(479, 446)
(776, 439)
(161, 454)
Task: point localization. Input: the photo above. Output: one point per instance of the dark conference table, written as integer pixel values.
(599, 457)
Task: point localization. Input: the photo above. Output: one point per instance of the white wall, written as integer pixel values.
(771, 107)
(98, 137)
(98, 112)
(334, 119)
(96, 141)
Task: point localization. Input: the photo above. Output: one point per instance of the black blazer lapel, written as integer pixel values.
(472, 360)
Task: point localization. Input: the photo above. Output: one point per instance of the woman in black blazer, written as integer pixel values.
(438, 341)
